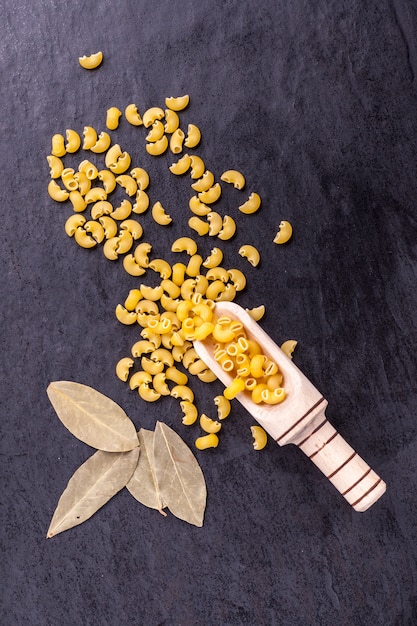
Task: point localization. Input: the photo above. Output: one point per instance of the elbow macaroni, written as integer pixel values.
(159, 215)
(251, 254)
(132, 115)
(284, 234)
(113, 118)
(251, 205)
(233, 177)
(92, 61)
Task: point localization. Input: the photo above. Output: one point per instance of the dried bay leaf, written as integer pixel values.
(143, 485)
(92, 417)
(180, 479)
(92, 485)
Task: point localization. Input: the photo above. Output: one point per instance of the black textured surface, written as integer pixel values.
(316, 103)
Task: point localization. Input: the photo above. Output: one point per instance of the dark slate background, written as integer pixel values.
(316, 103)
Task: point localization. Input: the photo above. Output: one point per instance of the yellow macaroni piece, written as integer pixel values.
(147, 393)
(193, 266)
(182, 391)
(139, 378)
(121, 164)
(197, 166)
(95, 194)
(73, 222)
(172, 121)
(168, 285)
(77, 201)
(178, 273)
(133, 227)
(142, 347)
(204, 183)
(218, 273)
(236, 386)
(181, 166)
(58, 145)
(238, 278)
(108, 179)
(198, 207)
(209, 425)
(141, 202)
(223, 406)
(113, 154)
(125, 242)
(100, 208)
(156, 132)
(216, 223)
(176, 141)
(259, 437)
(288, 347)
(251, 205)
(177, 104)
(90, 62)
(184, 244)
(95, 229)
(145, 305)
(73, 141)
(132, 115)
(84, 184)
(257, 313)
(251, 254)
(234, 177)
(190, 412)
(110, 248)
(211, 195)
(159, 215)
(162, 267)
(158, 147)
(214, 289)
(133, 299)
(284, 234)
(207, 376)
(151, 115)
(160, 385)
(193, 136)
(113, 115)
(198, 225)
(83, 239)
(214, 259)
(102, 144)
(68, 179)
(89, 169)
(132, 267)
(90, 137)
(228, 229)
(56, 166)
(56, 192)
(207, 441)
(123, 368)
(128, 183)
(141, 177)
(151, 293)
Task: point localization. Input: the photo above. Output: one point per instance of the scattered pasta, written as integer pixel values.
(180, 307)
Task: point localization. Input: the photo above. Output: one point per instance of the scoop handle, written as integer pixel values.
(339, 462)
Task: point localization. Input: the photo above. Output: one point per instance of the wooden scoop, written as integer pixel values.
(300, 418)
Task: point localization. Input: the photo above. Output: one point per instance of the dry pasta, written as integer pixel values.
(180, 308)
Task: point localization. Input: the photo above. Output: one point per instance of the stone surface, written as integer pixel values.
(316, 104)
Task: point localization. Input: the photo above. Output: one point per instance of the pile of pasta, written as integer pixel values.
(179, 309)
